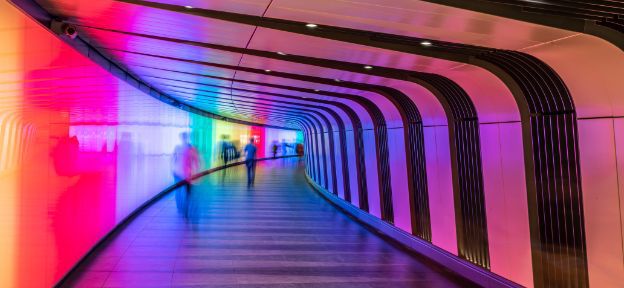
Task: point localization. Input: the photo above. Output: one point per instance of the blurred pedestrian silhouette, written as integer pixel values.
(250, 162)
(299, 150)
(285, 147)
(274, 148)
(185, 163)
(227, 150)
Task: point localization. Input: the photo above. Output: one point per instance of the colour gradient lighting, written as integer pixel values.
(80, 150)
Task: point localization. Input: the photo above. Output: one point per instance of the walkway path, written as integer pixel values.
(280, 233)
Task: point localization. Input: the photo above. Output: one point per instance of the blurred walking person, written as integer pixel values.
(274, 149)
(285, 147)
(250, 162)
(299, 150)
(185, 163)
(225, 149)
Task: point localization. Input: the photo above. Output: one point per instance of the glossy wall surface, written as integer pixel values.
(80, 150)
(463, 123)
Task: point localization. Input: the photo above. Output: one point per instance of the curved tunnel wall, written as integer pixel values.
(81, 149)
(509, 160)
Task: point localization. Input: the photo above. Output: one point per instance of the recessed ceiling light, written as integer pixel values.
(281, 53)
(316, 90)
(337, 80)
(311, 25)
(267, 70)
(368, 67)
(188, 7)
(426, 43)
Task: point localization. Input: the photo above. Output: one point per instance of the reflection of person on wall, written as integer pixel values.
(185, 164)
(65, 156)
(250, 162)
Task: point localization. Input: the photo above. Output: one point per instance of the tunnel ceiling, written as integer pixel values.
(210, 55)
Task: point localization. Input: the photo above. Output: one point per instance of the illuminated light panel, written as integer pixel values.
(99, 148)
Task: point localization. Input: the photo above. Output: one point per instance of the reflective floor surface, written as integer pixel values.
(279, 233)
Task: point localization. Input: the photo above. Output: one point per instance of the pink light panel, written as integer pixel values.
(80, 150)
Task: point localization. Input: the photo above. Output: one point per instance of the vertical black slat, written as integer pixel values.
(477, 166)
(577, 197)
(317, 154)
(387, 213)
(567, 197)
(560, 258)
(308, 154)
(469, 217)
(478, 170)
(554, 208)
(363, 192)
(331, 174)
(540, 180)
(324, 156)
(419, 196)
(345, 165)
(468, 196)
(425, 208)
(547, 210)
(317, 157)
(563, 201)
(462, 218)
(313, 155)
(467, 184)
(560, 201)
(332, 146)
